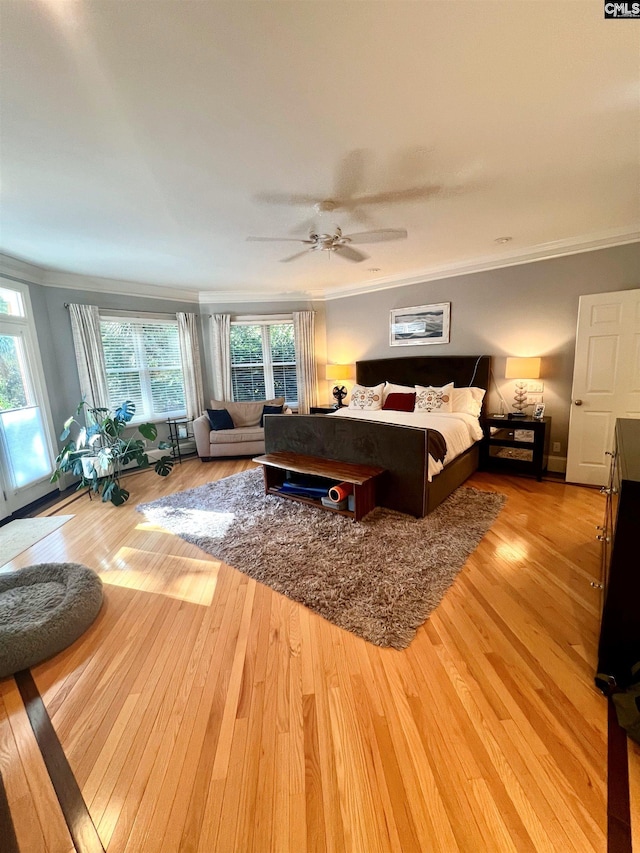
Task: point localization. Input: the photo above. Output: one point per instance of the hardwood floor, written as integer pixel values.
(203, 712)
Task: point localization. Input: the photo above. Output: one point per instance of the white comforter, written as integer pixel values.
(459, 430)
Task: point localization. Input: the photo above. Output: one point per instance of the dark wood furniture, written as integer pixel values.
(181, 437)
(322, 410)
(619, 645)
(276, 466)
(402, 451)
(516, 445)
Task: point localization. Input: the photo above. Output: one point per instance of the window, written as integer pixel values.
(26, 450)
(143, 364)
(263, 361)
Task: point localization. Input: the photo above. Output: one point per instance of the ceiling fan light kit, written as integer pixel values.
(338, 242)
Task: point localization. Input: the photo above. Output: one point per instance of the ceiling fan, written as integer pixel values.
(337, 242)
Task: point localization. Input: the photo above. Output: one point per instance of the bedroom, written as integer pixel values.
(161, 194)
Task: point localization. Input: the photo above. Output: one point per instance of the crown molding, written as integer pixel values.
(223, 296)
(542, 252)
(32, 273)
(21, 270)
(72, 281)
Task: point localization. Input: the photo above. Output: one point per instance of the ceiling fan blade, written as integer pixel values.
(277, 240)
(293, 257)
(287, 198)
(409, 194)
(379, 236)
(350, 174)
(350, 254)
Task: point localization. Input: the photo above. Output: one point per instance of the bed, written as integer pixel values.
(403, 450)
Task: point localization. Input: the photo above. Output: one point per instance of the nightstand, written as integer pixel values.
(517, 445)
(322, 410)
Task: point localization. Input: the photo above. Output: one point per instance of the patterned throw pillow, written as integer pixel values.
(430, 399)
(366, 399)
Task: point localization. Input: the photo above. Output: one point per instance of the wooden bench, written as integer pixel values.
(275, 467)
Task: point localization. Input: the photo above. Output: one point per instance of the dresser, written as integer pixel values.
(619, 645)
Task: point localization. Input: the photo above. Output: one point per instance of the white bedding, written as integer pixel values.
(459, 430)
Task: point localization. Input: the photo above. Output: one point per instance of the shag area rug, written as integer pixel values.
(43, 609)
(379, 578)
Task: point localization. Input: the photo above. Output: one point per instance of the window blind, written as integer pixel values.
(142, 359)
(263, 361)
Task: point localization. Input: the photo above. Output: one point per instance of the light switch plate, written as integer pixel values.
(532, 399)
(535, 386)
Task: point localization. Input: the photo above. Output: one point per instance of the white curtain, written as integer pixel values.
(191, 365)
(87, 341)
(221, 355)
(304, 334)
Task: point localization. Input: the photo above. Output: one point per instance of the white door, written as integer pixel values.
(606, 380)
(26, 451)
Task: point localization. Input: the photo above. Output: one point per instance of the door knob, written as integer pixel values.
(577, 402)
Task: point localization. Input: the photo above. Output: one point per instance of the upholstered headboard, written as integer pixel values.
(462, 370)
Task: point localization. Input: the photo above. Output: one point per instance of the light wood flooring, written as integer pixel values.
(203, 712)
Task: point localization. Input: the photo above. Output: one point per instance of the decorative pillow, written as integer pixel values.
(468, 400)
(390, 388)
(366, 399)
(219, 419)
(430, 399)
(400, 402)
(270, 410)
(246, 413)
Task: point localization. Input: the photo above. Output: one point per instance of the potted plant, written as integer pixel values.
(99, 452)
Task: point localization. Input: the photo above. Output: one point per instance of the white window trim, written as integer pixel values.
(26, 326)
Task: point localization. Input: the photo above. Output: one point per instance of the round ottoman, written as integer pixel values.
(43, 609)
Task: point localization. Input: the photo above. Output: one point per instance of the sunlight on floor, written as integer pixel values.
(191, 521)
(512, 553)
(182, 578)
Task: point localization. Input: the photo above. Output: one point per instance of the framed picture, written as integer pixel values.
(422, 324)
(538, 412)
(182, 432)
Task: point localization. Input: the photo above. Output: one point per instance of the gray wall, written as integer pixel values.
(530, 309)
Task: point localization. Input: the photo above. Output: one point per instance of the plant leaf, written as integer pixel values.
(125, 412)
(149, 431)
(164, 466)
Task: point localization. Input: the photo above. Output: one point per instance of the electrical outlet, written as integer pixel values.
(532, 399)
(556, 447)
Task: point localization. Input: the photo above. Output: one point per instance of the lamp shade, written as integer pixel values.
(339, 371)
(523, 368)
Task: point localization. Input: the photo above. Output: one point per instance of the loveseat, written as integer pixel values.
(244, 438)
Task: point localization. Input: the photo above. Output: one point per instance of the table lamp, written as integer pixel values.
(338, 373)
(521, 369)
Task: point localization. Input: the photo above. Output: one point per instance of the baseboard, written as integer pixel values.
(557, 464)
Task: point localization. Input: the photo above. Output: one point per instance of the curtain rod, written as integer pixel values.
(130, 311)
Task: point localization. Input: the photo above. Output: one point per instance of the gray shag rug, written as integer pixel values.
(379, 578)
(43, 609)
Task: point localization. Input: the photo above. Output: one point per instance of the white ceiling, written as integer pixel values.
(144, 141)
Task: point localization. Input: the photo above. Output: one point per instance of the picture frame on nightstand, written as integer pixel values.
(538, 412)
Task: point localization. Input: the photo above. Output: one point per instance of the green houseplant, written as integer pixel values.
(97, 453)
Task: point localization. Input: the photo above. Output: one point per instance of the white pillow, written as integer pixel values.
(390, 388)
(468, 400)
(430, 399)
(366, 399)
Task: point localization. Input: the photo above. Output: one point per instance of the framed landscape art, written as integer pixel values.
(421, 324)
